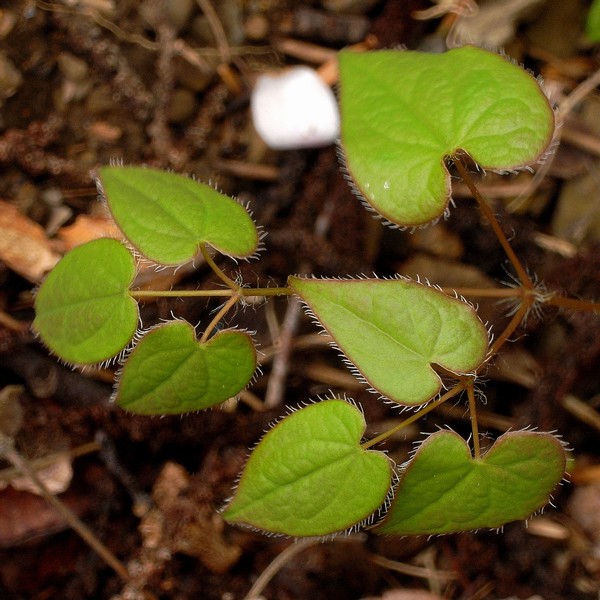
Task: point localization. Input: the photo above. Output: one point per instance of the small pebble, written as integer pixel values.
(179, 13)
(190, 76)
(201, 31)
(10, 77)
(294, 109)
(182, 106)
(256, 28)
(72, 67)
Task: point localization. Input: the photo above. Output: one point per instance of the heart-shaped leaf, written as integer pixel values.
(84, 312)
(445, 490)
(404, 112)
(394, 330)
(166, 216)
(309, 476)
(169, 372)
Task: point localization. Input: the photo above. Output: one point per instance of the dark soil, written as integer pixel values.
(81, 86)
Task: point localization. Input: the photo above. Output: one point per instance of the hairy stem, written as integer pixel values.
(222, 312)
(573, 303)
(484, 292)
(473, 416)
(386, 434)
(509, 330)
(213, 265)
(489, 215)
(247, 292)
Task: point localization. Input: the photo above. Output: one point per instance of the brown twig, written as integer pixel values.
(160, 134)
(276, 385)
(285, 556)
(224, 70)
(279, 370)
(8, 450)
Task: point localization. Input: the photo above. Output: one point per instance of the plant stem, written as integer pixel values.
(8, 450)
(274, 291)
(247, 292)
(275, 565)
(141, 294)
(484, 292)
(234, 288)
(386, 434)
(509, 330)
(573, 303)
(213, 265)
(222, 312)
(37, 464)
(473, 415)
(489, 215)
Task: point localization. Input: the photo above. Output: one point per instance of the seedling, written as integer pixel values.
(406, 117)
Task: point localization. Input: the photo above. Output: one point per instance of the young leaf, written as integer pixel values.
(84, 312)
(166, 216)
(445, 490)
(404, 112)
(394, 330)
(309, 476)
(169, 372)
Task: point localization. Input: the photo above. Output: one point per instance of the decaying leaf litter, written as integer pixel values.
(86, 84)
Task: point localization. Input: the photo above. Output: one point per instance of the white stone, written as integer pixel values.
(295, 110)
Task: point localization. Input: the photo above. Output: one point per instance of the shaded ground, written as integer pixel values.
(84, 83)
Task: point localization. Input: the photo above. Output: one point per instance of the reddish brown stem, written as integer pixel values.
(489, 215)
(484, 292)
(510, 328)
(473, 415)
(573, 303)
(386, 434)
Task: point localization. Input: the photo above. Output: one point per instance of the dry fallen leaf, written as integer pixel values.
(24, 516)
(86, 228)
(24, 247)
(584, 508)
(56, 477)
(493, 25)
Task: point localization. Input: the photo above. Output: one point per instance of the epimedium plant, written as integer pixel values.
(406, 117)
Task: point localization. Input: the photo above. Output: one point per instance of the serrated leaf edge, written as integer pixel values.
(354, 370)
(261, 233)
(366, 523)
(107, 362)
(141, 333)
(402, 467)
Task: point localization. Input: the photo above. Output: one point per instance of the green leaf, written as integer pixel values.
(403, 113)
(84, 312)
(166, 216)
(394, 330)
(592, 24)
(169, 372)
(445, 490)
(309, 476)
